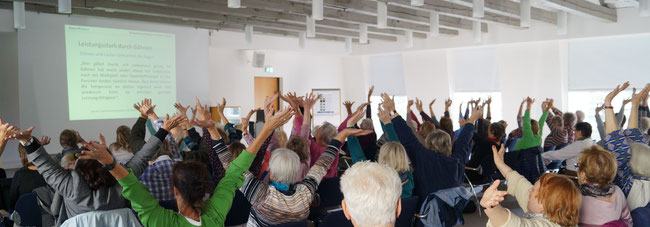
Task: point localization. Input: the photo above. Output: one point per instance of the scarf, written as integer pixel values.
(594, 191)
(280, 186)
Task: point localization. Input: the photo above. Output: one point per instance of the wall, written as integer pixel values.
(42, 81)
(9, 92)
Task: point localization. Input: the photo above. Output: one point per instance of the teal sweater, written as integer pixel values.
(356, 153)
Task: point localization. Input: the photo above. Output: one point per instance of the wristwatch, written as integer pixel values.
(111, 166)
(25, 144)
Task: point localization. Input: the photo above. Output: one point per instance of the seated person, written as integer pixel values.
(372, 194)
(552, 201)
(602, 201)
(571, 152)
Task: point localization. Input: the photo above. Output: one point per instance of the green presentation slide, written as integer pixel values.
(111, 69)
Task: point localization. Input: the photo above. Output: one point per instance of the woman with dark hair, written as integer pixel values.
(89, 187)
(482, 153)
(121, 149)
(27, 178)
(69, 140)
(191, 184)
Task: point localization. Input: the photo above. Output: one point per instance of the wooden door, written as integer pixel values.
(266, 87)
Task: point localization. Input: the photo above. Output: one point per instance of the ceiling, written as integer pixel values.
(343, 20)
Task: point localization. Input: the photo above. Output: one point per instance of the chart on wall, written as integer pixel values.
(328, 108)
(109, 70)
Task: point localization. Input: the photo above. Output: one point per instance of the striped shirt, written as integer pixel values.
(271, 206)
(618, 142)
(559, 133)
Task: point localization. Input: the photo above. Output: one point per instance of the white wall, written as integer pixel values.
(9, 91)
(42, 74)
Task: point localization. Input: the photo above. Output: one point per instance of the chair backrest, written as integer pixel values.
(303, 223)
(27, 208)
(117, 218)
(5, 188)
(527, 162)
(329, 191)
(239, 210)
(407, 216)
(641, 214)
(337, 219)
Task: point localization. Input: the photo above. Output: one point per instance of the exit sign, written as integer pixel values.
(268, 69)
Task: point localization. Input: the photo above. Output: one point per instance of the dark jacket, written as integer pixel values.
(25, 181)
(527, 162)
(432, 170)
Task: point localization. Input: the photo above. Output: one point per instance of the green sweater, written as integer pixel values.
(356, 153)
(529, 139)
(216, 208)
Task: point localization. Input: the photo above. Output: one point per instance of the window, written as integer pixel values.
(588, 100)
(465, 97)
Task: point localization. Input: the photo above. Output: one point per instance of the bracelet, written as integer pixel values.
(111, 166)
(608, 107)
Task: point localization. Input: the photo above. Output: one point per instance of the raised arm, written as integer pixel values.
(404, 132)
(56, 177)
(600, 125)
(461, 147)
(138, 130)
(448, 103)
(611, 124)
(386, 124)
(356, 152)
(488, 102)
(520, 114)
(368, 110)
(5, 132)
(636, 101)
(138, 163)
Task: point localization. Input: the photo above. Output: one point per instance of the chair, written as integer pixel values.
(407, 216)
(27, 208)
(303, 223)
(335, 218)
(329, 191)
(117, 218)
(328, 197)
(169, 204)
(239, 210)
(641, 214)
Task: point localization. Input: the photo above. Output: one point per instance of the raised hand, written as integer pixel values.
(97, 151)
(372, 89)
(499, 155)
(44, 140)
(169, 124)
(147, 109)
(599, 108)
(203, 112)
(362, 107)
(637, 97)
(351, 132)
(181, 109)
(410, 103)
(431, 103)
(23, 136)
(476, 113)
(310, 100)
(448, 103)
(348, 106)
(388, 102)
(207, 124)
(418, 104)
(529, 102)
(6, 130)
(357, 116)
(268, 107)
(614, 93)
(383, 114)
(626, 101)
(279, 119)
(492, 197)
(488, 101)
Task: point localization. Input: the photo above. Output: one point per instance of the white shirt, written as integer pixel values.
(639, 195)
(570, 153)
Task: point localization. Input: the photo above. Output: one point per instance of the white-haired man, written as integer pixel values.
(372, 195)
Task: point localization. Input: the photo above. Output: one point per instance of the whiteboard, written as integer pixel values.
(328, 108)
